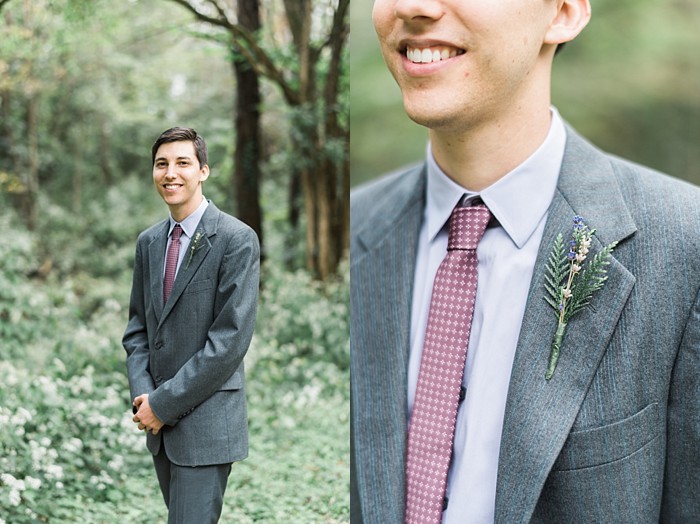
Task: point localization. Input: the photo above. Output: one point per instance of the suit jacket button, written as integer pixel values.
(159, 344)
(159, 379)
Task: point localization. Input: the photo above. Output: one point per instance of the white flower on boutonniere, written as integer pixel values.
(571, 281)
(194, 246)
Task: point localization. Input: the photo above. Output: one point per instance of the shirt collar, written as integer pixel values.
(519, 200)
(189, 225)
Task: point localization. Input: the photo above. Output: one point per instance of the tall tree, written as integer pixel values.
(311, 85)
(246, 165)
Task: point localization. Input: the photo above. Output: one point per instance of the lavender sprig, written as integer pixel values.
(194, 246)
(570, 281)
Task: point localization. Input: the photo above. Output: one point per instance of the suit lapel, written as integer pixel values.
(156, 257)
(381, 345)
(189, 265)
(539, 413)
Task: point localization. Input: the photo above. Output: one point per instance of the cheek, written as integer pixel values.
(382, 16)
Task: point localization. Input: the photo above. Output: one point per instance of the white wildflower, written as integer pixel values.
(8, 480)
(15, 497)
(116, 463)
(22, 416)
(73, 445)
(32, 483)
(54, 471)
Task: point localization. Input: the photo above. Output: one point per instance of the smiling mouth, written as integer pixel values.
(428, 55)
(171, 187)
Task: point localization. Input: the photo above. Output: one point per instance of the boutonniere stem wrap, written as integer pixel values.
(571, 279)
(194, 246)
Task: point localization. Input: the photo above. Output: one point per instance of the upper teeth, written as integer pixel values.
(431, 54)
(171, 186)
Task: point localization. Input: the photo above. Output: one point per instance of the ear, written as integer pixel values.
(570, 19)
(204, 173)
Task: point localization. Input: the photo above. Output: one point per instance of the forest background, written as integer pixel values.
(85, 88)
(630, 83)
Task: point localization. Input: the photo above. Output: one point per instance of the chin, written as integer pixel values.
(430, 118)
(422, 108)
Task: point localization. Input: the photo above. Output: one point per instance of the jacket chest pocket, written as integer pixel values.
(609, 443)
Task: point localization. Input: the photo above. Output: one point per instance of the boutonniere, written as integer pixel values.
(571, 280)
(194, 246)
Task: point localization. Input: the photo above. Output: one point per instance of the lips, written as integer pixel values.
(172, 187)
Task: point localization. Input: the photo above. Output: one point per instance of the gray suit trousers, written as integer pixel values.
(192, 494)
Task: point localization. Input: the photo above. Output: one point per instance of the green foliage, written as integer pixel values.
(68, 447)
(304, 324)
(591, 280)
(107, 78)
(557, 266)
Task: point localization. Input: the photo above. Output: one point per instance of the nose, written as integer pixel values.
(170, 173)
(418, 10)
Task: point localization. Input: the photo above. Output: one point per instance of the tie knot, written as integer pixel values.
(467, 226)
(177, 231)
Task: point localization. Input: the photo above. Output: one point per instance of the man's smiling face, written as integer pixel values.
(178, 177)
(460, 62)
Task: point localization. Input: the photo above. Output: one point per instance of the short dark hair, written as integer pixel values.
(182, 134)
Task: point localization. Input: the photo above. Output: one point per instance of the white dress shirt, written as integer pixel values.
(506, 255)
(189, 227)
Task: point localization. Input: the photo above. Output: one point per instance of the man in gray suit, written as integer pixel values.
(191, 319)
(614, 434)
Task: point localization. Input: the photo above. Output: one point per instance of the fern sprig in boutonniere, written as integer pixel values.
(571, 279)
(194, 246)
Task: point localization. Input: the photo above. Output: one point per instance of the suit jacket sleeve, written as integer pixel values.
(229, 335)
(135, 339)
(681, 500)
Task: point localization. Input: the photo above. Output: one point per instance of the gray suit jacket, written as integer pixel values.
(188, 354)
(615, 435)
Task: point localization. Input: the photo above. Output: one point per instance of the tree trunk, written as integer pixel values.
(246, 172)
(105, 151)
(294, 200)
(311, 218)
(7, 160)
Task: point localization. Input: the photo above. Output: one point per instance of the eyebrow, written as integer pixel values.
(158, 159)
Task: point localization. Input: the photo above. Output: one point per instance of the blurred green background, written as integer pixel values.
(630, 83)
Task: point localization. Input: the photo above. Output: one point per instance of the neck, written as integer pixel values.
(479, 156)
(180, 213)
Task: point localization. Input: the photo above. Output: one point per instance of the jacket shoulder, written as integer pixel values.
(655, 198)
(372, 199)
(147, 235)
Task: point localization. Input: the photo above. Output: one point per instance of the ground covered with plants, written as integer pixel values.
(68, 450)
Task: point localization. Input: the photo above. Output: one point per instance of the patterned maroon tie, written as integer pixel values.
(171, 262)
(432, 426)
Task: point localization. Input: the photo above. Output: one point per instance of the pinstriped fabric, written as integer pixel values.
(384, 262)
(442, 366)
